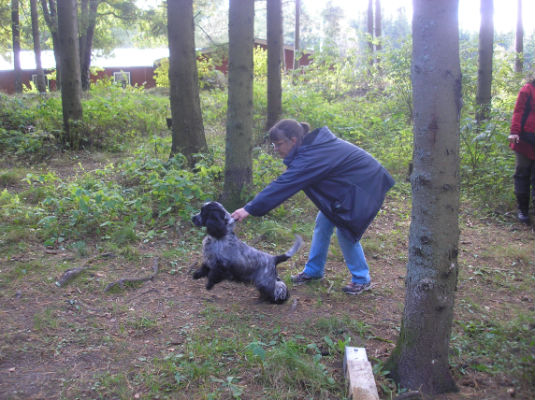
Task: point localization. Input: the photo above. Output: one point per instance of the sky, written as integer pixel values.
(469, 16)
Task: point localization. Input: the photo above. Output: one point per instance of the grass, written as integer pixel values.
(12, 176)
(496, 347)
(163, 348)
(45, 320)
(214, 361)
(170, 338)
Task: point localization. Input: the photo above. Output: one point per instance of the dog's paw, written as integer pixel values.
(201, 272)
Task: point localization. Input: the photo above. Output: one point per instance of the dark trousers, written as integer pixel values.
(524, 178)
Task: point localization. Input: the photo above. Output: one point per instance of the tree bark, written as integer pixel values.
(51, 19)
(71, 88)
(484, 73)
(370, 29)
(88, 18)
(519, 40)
(238, 161)
(378, 25)
(420, 359)
(15, 33)
(274, 55)
(41, 83)
(297, 33)
(187, 123)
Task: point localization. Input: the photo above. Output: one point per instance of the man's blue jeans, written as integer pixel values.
(353, 253)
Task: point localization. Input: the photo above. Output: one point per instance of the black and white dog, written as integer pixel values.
(225, 257)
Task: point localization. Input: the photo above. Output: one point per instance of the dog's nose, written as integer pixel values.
(196, 219)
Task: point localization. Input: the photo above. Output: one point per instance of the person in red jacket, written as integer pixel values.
(522, 141)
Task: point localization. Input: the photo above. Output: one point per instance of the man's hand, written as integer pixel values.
(513, 138)
(240, 214)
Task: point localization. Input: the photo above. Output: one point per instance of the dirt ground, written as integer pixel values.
(55, 340)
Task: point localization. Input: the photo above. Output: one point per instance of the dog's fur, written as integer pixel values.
(227, 257)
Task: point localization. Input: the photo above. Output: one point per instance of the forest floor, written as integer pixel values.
(79, 341)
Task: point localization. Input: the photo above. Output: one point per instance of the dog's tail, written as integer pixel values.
(296, 246)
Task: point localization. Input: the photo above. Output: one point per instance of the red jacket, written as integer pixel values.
(524, 148)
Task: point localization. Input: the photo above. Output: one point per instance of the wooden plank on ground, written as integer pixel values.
(359, 375)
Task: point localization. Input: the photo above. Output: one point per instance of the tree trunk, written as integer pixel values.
(41, 83)
(187, 123)
(370, 29)
(297, 33)
(274, 50)
(519, 40)
(88, 18)
(71, 88)
(238, 161)
(378, 25)
(420, 359)
(484, 73)
(15, 31)
(51, 19)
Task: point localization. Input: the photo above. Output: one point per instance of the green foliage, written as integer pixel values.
(266, 167)
(209, 77)
(148, 193)
(214, 110)
(497, 347)
(215, 355)
(366, 105)
(141, 195)
(115, 116)
(483, 173)
(161, 73)
(291, 364)
(260, 64)
(15, 113)
(19, 133)
(372, 107)
(10, 177)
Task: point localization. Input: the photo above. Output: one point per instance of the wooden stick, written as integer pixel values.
(359, 374)
(72, 273)
(126, 281)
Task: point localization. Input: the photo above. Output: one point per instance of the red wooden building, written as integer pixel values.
(127, 66)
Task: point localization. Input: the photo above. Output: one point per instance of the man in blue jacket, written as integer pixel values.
(345, 182)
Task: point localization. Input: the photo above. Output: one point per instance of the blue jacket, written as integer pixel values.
(345, 182)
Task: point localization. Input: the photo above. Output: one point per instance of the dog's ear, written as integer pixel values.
(216, 224)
